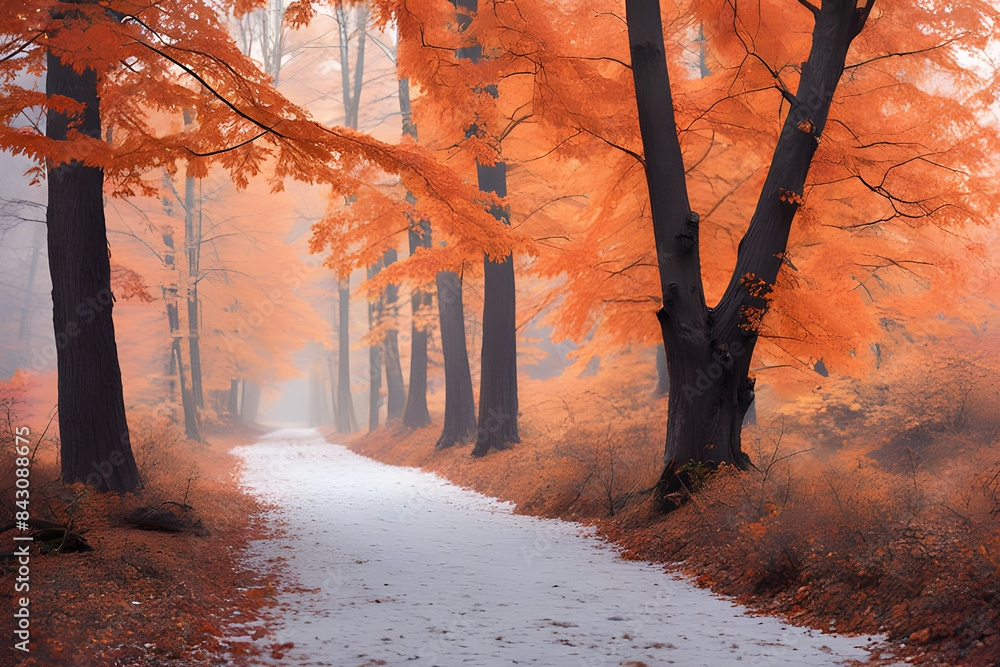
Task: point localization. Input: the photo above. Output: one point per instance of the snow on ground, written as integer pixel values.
(407, 568)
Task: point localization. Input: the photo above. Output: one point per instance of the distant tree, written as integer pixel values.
(170, 49)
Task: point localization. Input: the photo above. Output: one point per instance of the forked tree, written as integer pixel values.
(709, 349)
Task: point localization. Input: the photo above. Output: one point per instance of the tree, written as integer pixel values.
(459, 405)
(170, 48)
(498, 407)
(415, 413)
(396, 399)
(92, 424)
(709, 350)
(375, 309)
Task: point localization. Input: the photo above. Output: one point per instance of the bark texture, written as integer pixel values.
(94, 437)
(415, 415)
(459, 404)
(709, 349)
(347, 422)
(395, 387)
(374, 355)
(498, 407)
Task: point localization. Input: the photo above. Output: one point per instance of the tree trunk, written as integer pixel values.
(393, 368)
(415, 415)
(459, 404)
(346, 421)
(95, 446)
(234, 396)
(374, 355)
(171, 299)
(709, 350)
(192, 248)
(498, 407)
(251, 401)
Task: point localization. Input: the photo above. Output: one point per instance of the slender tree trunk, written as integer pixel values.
(703, 70)
(346, 420)
(171, 299)
(459, 404)
(234, 397)
(498, 406)
(709, 349)
(251, 401)
(192, 248)
(351, 92)
(374, 355)
(416, 415)
(393, 369)
(94, 438)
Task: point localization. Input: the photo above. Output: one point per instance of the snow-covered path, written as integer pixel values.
(407, 568)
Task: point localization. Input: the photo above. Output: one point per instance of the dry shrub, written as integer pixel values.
(891, 545)
(613, 464)
(161, 450)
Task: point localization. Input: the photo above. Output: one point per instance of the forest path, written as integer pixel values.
(406, 568)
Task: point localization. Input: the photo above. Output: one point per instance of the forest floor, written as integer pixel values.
(892, 558)
(142, 597)
(396, 566)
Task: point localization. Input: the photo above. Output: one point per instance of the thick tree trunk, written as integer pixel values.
(709, 350)
(459, 404)
(396, 389)
(498, 407)
(346, 421)
(415, 415)
(374, 355)
(95, 445)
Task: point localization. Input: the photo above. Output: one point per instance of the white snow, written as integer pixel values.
(407, 568)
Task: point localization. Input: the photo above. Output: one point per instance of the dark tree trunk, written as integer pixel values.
(415, 415)
(662, 373)
(346, 421)
(393, 369)
(498, 408)
(95, 445)
(709, 350)
(374, 355)
(459, 404)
